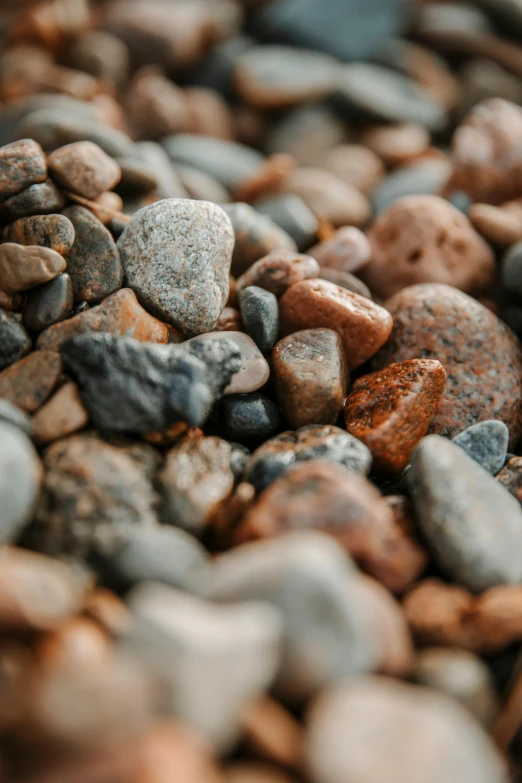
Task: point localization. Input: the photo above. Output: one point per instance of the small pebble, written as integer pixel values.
(137, 178)
(229, 321)
(512, 271)
(511, 477)
(48, 305)
(20, 476)
(22, 164)
(29, 382)
(250, 416)
(53, 231)
(293, 216)
(347, 250)
(329, 197)
(24, 267)
(354, 164)
(406, 558)
(256, 236)
(14, 340)
(487, 443)
(60, 416)
(397, 144)
(278, 271)
(260, 314)
(501, 226)
(84, 168)
(41, 199)
(425, 177)
(254, 371)
(345, 280)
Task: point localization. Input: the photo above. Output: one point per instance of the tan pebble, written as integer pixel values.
(84, 168)
(156, 107)
(347, 249)
(62, 415)
(105, 205)
(29, 382)
(254, 372)
(274, 733)
(397, 144)
(23, 267)
(278, 271)
(329, 197)
(354, 164)
(208, 113)
(499, 225)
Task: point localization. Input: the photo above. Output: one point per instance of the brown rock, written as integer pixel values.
(397, 144)
(29, 382)
(500, 225)
(254, 371)
(329, 197)
(439, 322)
(40, 199)
(391, 410)
(311, 376)
(155, 106)
(268, 179)
(22, 164)
(406, 558)
(278, 271)
(106, 205)
(11, 301)
(347, 250)
(362, 325)
(84, 168)
(511, 477)
(345, 280)
(22, 267)
(52, 231)
(425, 239)
(62, 415)
(119, 314)
(208, 113)
(354, 164)
(274, 733)
(229, 320)
(77, 643)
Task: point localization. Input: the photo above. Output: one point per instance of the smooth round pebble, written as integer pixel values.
(486, 443)
(53, 231)
(12, 415)
(260, 314)
(24, 267)
(14, 340)
(256, 236)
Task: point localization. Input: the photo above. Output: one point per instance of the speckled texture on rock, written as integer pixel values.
(29, 382)
(176, 254)
(84, 168)
(485, 442)
(53, 231)
(481, 356)
(22, 164)
(278, 271)
(40, 199)
(14, 340)
(391, 410)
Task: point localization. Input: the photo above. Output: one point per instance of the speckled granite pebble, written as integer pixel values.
(485, 442)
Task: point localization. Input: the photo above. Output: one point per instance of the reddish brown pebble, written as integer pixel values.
(345, 280)
(354, 164)
(397, 144)
(120, 314)
(311, 376)
(511, 477)
(156, 107)
(84, 168)
(278, 271)
(22, 268)
(22, 164)
(62, 415)
(29, 382)
(425, 239)
(229, 320)
(329, 197)
(347, 250)
(392, 409)
(438, 322)
(500, 225)
(52, 231)
(362, 325)
(406, 559)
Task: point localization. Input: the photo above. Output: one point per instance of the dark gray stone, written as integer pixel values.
(486, 443)
(239, 457)
(293, 216)
(49, 304)
(260, 314)
(14, 340)
(250, 416)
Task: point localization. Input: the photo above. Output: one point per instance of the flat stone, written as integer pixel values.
(278, 271)
(511, 477)
(487, 443)
(391, 410)
(311, 377)
(12, 415)
(30, 381)
(120, 314)
(60, 416)
(40, 199)
(20, 475)
(14, 340)
(260, 315)
(22, 268)
(362, 325)
(293, 216)
(84, 168)
(176, 254)
(472, 524)
(22, 164)
(48, 305)
(329, 197)
(256, 236)
(197, 648)
(436, 321)
(397, 144)
(355, 164)
(347, 250)
(53, 231)
(254, 371)
(345, 280)
(93, 262)
(276, 456)
(250, 416)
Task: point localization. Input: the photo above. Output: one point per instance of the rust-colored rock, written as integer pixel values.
(62, 415)
(347, 249)
(120, 314)
(438, 322)
(279, 270)
(311, 376)
(362, 325)
(29, 382)
(391, 410)
(425, 239)
(84, 168)
(397, 144)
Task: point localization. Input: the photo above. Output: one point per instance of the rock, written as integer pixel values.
(511, 477)
(93, 262)
(101, 54)
(155, 106)
(239, 457)
(311, 377)
(13, 415)
(53, 231)
(354, 164)
(250, 416)
(512, 271)
(51, 303)
(436, 321)
(254, 772)
(176, 254)
(276, 456)
(424, 239)
(198, 185)
(501, 225)
(209, 113)
(362, 325)
(228, 321)
(486, 443)
(60, 416)
(345, 280)
(471, 523)
(260, 315)
(195, 482)
(12, 302)
(254, 371)
(14, 340)
(30, 381)
(22, 267)
(329, 197)
(424, 177)
(40, 199)
(90, 486)
(169, 383)
(293, 216)
(256, 236)
(397, 144)
(22, 164)
(137, 178)
(405, 559)
(347, 249)
(120, 314)
(278, 271)
(169, 183)
(84, 168)
(20, 476)
(363, 729)
(298, 573)
(391, 410)
(197, 648)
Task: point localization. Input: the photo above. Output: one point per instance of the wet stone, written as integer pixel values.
(60, 416)
(254, 371)
(391, 410)
(41, 199)
(486, 443)
(293, 216)
(30, 381)
(311, 377)
(256, 236)
(93, 262)
(53, 231)
(51, 303)
(345, 280)
(278, 271)
(22, 268)
(260, 314)
(276, 456)
(84, 168)
(250, 416)
(22, 164)
(14, 340)
(457, 504)
(20, 474)
(169, 383)
(176, 254)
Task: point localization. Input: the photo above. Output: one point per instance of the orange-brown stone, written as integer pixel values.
(279, 270)
(29, 382)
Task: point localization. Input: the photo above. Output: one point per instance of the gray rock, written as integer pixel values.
(13, 415)
(250, 416)
(486, 443)
(256, 236)
(292, 215)
(20, 476)
(260, 314)
(471, 523)
(176, 254)
(213, 660)
(14, 340)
